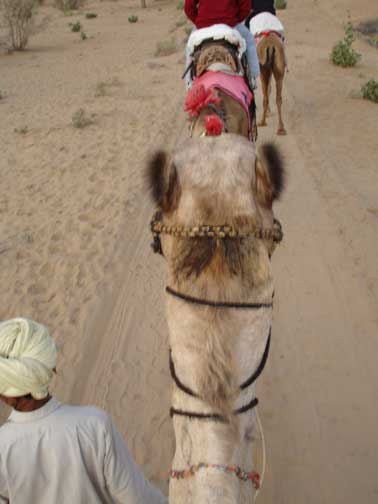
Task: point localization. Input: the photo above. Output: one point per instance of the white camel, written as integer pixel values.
(219, 305)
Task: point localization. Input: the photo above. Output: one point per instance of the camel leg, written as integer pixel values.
(269, 112)
(279, 82)
(265, 81)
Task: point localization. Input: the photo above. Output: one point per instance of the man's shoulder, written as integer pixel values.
(89, 414)
(65, 416)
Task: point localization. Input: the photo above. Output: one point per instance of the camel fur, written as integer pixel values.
(271, 53)
(216, 180)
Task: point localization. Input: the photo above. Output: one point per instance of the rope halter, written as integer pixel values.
(274, 235)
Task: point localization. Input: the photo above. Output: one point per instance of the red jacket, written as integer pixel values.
(205, 13)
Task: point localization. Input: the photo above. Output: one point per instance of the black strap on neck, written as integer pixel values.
(216, 304)
(214, 416)
(261, 367)
(177, 380)
(243, 386)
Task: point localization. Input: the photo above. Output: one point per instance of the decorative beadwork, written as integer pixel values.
(220, 232)
(252, 476)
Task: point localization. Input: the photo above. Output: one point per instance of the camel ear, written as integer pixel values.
(270, 175)
(163, 182)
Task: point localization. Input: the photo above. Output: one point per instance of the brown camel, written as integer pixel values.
(234, 118)
(271, 53)
(210, 56)
(216, 231)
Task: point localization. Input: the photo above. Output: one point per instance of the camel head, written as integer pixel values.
(217, 181)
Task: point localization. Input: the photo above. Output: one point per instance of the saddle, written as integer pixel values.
(219, 32)
(265, 23)
(218, 48)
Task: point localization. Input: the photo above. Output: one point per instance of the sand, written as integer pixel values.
(74, 242)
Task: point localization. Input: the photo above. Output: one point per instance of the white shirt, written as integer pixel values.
(68, 455)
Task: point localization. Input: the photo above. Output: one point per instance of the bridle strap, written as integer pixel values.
(177, 380)
(250, 381)
(214, 416)
(261, 367)
(187, 390)
(216, 304)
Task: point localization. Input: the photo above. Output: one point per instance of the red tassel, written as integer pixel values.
(213, 125)
(198, 98)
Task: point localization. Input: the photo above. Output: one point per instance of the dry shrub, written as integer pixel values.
(166, 47)
(17, 15)
(66, 5)
(80, 119)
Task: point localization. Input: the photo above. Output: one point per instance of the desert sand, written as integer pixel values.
(75, 244)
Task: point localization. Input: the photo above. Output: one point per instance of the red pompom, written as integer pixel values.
(213, 125)
(198, 98)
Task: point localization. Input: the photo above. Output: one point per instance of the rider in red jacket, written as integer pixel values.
(205, 13)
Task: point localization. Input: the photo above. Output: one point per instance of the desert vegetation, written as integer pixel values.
(67, 5)
(166, 47)
(370, 90)
(80, 119)
(17, 16)
(343, 53)
(23, 130)
(280, 4)
(75, 27)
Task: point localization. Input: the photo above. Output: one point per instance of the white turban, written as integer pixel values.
(27, 358)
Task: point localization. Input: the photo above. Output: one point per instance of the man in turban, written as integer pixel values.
(51, 453)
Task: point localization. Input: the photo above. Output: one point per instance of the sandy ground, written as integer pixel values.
(74, 242)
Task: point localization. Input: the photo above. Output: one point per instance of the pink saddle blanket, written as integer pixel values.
(232, 85)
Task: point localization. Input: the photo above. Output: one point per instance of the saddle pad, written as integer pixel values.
(266, 22)
(217, 32)
(232, 85)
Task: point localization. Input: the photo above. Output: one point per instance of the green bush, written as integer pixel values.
(75, 27)
(370, 90)
(342, 53)
(90, 15)
(180, 5)
(280, 4)
(24, 130)
(133, 19)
